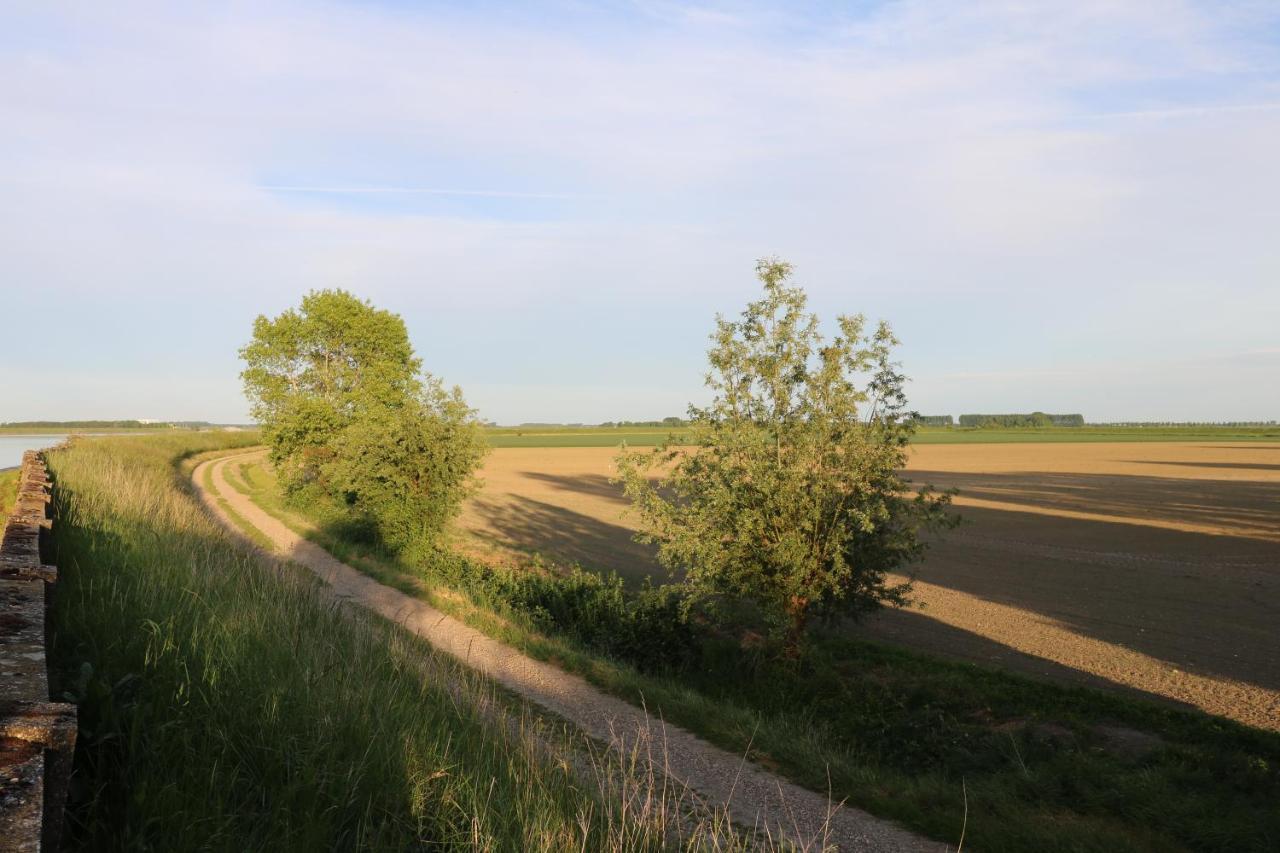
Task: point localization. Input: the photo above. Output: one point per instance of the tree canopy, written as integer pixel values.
(348, 413)
(790, 496)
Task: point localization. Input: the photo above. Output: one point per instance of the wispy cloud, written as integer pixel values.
(1186, 112)
(418, 191)
(1023, 184)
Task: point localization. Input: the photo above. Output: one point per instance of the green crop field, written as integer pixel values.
(978, 435)
(583, 436)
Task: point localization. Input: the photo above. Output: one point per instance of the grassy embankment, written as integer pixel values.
(649, 436)
(8, 491)
(225, 703)
(1036, 766)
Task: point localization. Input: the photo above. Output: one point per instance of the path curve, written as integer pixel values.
(753, 796)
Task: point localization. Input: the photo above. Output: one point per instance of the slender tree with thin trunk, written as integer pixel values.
(786, 490)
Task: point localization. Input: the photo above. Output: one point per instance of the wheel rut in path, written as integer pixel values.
(753, 796)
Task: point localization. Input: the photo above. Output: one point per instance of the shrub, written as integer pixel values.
(792, 499)
(649, 628)
(408, 469)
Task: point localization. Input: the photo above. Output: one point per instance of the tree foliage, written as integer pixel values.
(1032, 419)
(348, 413)
(408, 468)
(933, 420)
(790, 496)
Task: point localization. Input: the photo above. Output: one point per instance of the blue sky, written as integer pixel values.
(1062, 206)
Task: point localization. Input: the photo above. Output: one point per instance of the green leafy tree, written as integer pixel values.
(790, 496)
(348, 413)
(409, 468)
(309, 373)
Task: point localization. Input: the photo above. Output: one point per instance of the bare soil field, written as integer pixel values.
(1151, 568)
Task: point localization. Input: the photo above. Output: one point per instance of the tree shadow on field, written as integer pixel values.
(595, 485)
(915, 628)
(1201, 601)
(592, 485)
(567, 537)
(1242, 466)
(1244, 508)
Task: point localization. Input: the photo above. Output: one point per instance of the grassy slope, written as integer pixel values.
(921, 740)
(225, 706)
(646, 437)
(8, 490)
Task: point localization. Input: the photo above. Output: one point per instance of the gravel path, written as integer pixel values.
(754, 797)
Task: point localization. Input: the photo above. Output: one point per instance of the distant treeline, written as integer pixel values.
(665, 422)
(135, 424)
(1188, 423)
(934, 420)
(75, 424)
(559, 426)
(1034, 419)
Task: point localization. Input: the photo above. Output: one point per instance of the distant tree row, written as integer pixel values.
(1188, 423)
(1034, 419)
(131, 424)
(74, 424)
(933, 420)
(104, 424)
(665, 422)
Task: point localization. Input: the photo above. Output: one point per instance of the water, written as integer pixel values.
(13, 446)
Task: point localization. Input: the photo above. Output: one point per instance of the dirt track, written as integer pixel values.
(754, 797)
(1150, 568)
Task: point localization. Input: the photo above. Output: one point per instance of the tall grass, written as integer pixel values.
(227, 704)
(8, 492)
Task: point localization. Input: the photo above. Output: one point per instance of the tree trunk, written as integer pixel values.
(798, 613)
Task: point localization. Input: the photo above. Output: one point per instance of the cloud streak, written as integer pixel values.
(563, 199)
(418, 191)
(1186, 112)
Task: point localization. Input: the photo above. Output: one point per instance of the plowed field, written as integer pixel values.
(1145, 567)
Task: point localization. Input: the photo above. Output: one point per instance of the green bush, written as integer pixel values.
(349, 415)
(407, 470)
(648, 628)
(793, 500)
